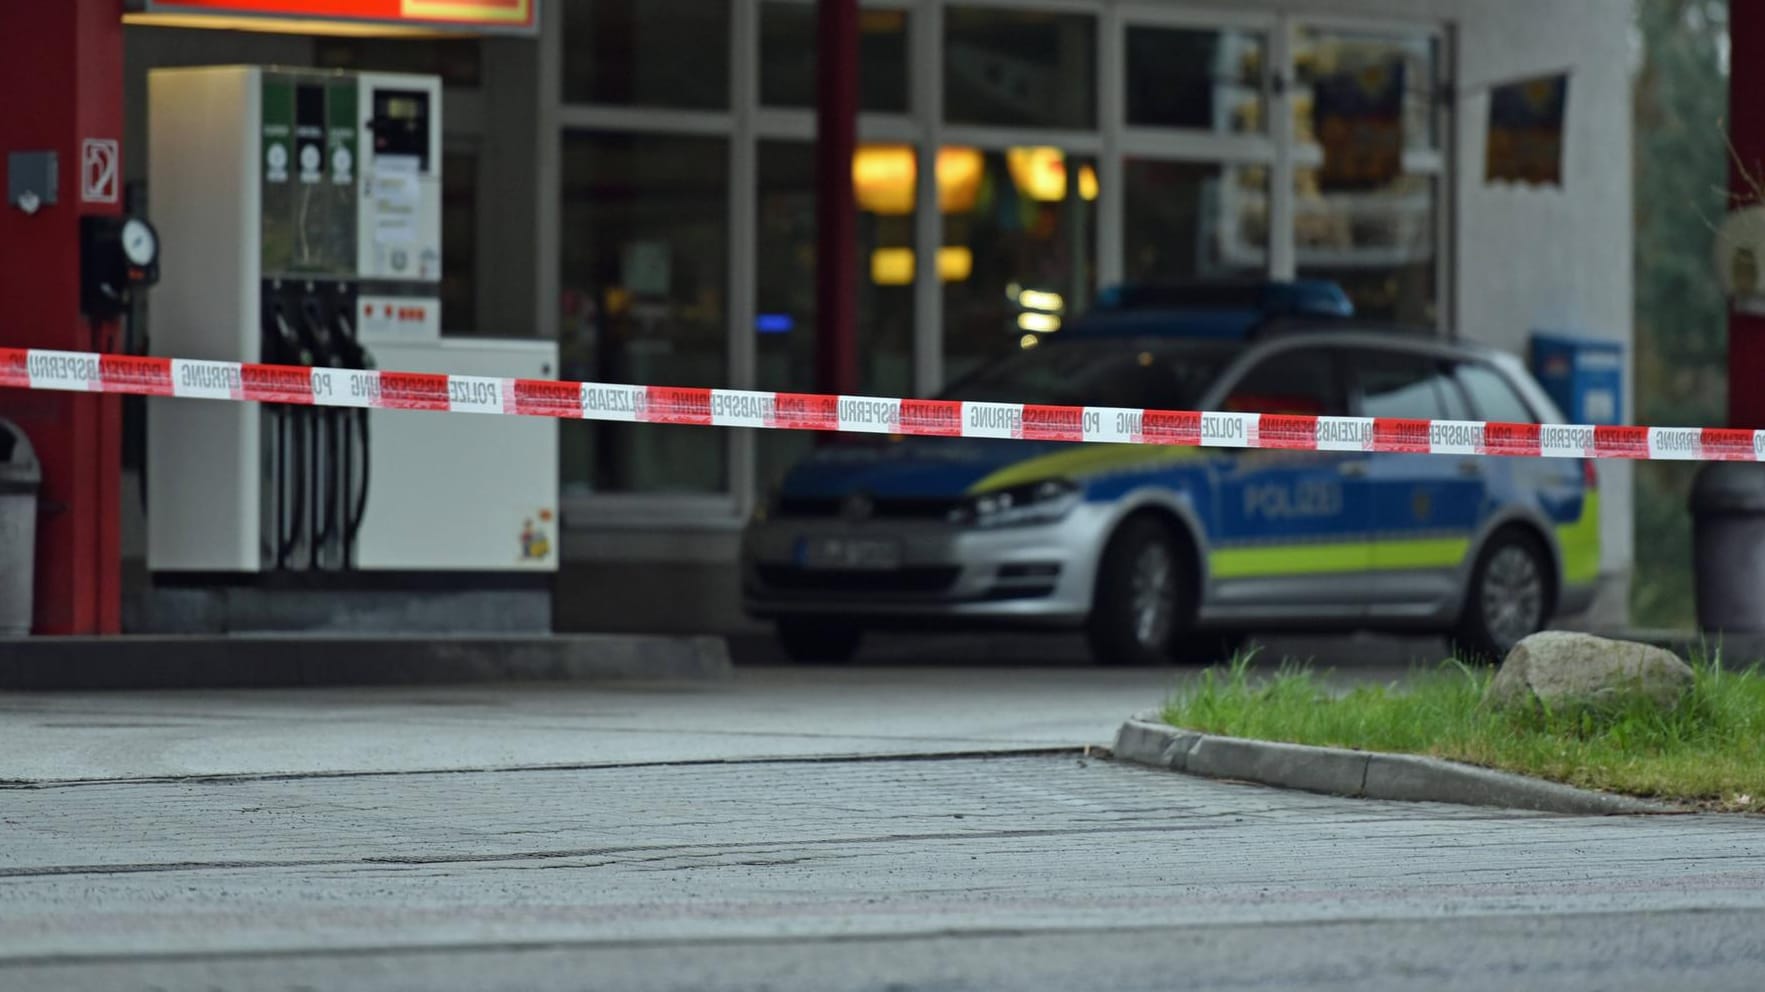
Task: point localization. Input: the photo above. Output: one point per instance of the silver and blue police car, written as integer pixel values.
(1175, 553)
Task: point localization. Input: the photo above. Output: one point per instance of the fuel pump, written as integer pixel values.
(285, 200)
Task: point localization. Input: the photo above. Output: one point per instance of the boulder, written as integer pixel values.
(1562, 669)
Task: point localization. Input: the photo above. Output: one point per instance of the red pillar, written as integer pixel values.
(1746, 130)
(836, 210)
(61, 64)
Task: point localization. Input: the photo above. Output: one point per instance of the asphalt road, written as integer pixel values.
(714, 837)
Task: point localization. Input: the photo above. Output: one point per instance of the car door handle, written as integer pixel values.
(1470, 467)
(1353, 470)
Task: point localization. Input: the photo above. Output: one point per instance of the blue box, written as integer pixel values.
(1584, 376)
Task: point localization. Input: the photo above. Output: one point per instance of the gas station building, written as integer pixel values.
(637, 184)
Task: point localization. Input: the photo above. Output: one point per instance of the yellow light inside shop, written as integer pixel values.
(959, 179)
(955, 263)
(1028, 341)
(1088, 182)
(1036, 299)
(885, 178)
(894, 266)
(1039, 172)
(1038, 323)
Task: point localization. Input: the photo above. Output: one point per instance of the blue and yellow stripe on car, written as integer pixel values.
(1580, 543)
(1323, 558)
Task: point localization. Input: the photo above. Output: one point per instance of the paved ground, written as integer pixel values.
(668, 837)
(1018, 693)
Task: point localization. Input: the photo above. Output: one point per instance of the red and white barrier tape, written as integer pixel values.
(85, 371)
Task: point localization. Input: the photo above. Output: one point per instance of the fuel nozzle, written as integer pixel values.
(292, 348)
(317, 333)
(349, 348)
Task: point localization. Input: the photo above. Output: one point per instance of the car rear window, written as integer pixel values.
(1151, 373)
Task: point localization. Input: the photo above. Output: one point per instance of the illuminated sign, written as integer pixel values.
(517, 16)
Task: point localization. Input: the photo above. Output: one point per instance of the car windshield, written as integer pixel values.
(1161, 374)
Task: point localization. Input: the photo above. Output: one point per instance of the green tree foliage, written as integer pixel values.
(1681, 170)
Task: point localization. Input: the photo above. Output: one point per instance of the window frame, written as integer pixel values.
(746, 122)
(1438, 163)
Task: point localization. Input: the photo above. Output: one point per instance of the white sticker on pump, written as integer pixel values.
(395, 180)
(402, 318)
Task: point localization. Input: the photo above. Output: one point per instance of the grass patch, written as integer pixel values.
(1710, 750)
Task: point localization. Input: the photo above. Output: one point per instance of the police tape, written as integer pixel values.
(331, 387)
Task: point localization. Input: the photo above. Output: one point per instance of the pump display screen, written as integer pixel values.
(403, 108)
(401, 124)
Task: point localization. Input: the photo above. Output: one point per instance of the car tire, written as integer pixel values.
(1510, 597)
(1144, 596)
(818, 641)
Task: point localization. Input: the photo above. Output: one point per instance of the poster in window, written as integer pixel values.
(1526, 131)
(1357, 115)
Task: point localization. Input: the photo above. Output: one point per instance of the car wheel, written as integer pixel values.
(1144, 584)
(1509, 598)
(811, 641)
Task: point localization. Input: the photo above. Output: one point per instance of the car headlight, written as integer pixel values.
(1031, 503)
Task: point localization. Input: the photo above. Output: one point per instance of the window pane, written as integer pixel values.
(1362, 87)
(785, 279)
(787, 57)
(1024, 68)
(1302, 381)
(654, 53)
(1196, 78)
(644, 241)
(1157, 374)
(1019, 248)
(459, 241)
(1378, 243)
(1493, 397)
(1404, 386)
(1182, 220)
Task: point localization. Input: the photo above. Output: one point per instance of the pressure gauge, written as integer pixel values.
(140, 243)
(118, 257)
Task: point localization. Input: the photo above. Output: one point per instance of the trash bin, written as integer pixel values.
(20, 477)
(1728, 546)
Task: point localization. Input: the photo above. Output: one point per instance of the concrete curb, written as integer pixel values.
(1360, 774)
(271, 660)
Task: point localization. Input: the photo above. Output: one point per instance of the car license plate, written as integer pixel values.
(869, 553)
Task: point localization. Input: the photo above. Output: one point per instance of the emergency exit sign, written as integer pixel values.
(519, 16)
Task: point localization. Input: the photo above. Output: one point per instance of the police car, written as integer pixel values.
(1174, 553)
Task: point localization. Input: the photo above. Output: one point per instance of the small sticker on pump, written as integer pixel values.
(402, 317)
